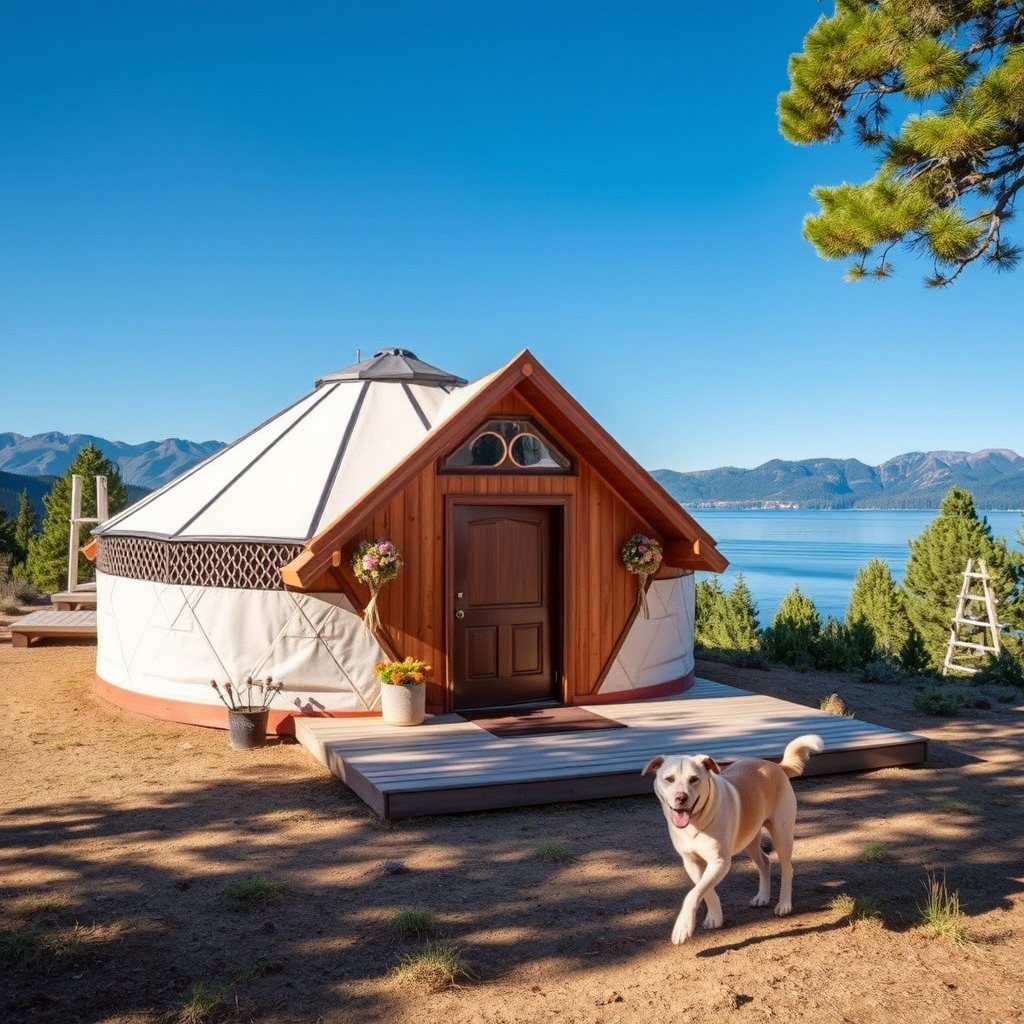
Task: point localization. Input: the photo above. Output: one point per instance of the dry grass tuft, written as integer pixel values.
(551, 850)
(413, 923)
(833, 704)
(941, 913)
(861, 909)
(253, 892)
(439, 966)
(877, 853)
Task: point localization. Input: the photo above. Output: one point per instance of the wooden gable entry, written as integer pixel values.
(505, 585)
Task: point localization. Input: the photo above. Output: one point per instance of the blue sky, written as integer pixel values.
(206, 205)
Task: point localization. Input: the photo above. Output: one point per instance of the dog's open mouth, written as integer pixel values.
(680, 818)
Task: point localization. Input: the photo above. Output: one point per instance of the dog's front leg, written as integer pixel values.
(706, 875)
(695, 869)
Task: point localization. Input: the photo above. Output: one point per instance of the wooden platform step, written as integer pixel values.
(82, 599)
(449, 764)
(52, 624)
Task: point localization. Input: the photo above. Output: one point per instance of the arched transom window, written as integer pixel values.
(508, 446)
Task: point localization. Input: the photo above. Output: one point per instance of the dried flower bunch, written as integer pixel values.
(375, 562)
(251, 695)
(642, 554)
(403, 673)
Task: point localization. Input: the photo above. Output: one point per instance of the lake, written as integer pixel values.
(820, 550)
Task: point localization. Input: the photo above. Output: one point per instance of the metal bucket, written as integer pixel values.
(247, 729)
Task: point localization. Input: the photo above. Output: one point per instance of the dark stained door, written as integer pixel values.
(505, 625)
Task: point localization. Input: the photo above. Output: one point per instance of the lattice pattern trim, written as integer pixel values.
(228, 564)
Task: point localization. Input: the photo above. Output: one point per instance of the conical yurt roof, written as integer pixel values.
(295, 473)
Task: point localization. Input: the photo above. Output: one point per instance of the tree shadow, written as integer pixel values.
(144, 870)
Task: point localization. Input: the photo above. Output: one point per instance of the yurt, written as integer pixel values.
(510, 506)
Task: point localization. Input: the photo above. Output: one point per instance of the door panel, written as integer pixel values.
(527, 645)
(505, 627)
(482, 652)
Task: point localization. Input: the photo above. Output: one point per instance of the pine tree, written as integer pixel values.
(9, 550)
(836, 648)
(948, 177)
(25, 526)
(876, 605)
(795, 629)
(742, 629)
(934, 574)
(47, 561)
(726, 621)
(913, 655)
(710, 614)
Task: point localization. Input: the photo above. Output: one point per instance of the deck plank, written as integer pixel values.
(50, 624)
(449, 764)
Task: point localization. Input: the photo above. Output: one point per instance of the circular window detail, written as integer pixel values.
(529, 450)
(489, 449)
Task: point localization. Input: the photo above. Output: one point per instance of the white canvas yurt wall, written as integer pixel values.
(188, 584)
(658, 647)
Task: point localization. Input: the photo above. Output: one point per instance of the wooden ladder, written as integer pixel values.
(964, 617)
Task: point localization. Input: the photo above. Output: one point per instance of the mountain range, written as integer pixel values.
(33, 463)
(994, 476)
(149, 464)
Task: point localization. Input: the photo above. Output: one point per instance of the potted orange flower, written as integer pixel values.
(403, 690)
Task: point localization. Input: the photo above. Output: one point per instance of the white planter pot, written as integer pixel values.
(403, 705)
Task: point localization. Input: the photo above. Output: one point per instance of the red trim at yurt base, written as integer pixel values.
(282, 723)
(672, 687)
(212, 716)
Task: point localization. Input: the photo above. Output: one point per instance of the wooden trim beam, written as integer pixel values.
(568, 418)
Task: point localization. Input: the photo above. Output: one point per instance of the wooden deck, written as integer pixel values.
(60, 625)
(449, 765)
(81, 599)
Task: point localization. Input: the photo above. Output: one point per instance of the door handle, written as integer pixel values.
(460, 614)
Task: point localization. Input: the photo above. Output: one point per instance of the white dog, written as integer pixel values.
(712, 815)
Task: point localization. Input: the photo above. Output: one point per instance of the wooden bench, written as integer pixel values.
(62, 625)
(74, 600)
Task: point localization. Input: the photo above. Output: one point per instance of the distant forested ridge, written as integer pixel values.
(995, 478)
(13, 484)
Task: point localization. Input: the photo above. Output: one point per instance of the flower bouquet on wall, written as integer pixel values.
(642, 555)
(375, 563)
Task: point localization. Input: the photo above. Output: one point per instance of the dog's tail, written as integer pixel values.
(798, 753)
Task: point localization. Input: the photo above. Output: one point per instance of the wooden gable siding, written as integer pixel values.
(598, 595)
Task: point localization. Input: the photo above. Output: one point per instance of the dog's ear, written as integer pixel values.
(654, 764)
(711, 764)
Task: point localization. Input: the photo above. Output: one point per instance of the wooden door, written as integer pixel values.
(506, 614)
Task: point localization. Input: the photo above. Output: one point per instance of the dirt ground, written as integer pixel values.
(121, 836)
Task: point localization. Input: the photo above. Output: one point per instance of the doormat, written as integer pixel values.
(538, 721)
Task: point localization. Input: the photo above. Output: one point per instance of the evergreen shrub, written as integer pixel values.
(726, 621)
(877, 612)
(837, 649)
(1005, 669)
(933, 701)
(882, 670)
(794, 632)
(913, 655)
